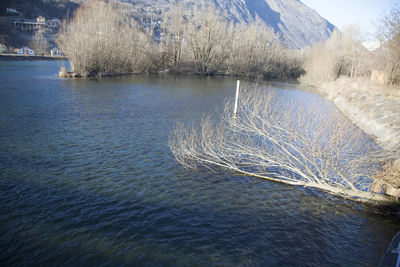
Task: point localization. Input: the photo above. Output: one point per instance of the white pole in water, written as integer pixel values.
(236, 97)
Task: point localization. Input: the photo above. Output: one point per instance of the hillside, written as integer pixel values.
(30, 9)
(298, 25)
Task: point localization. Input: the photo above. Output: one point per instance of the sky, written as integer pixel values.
(363, 13)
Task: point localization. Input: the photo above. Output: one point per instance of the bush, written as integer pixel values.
(389, 35)
(341, 55)
(102, 37)
(204, 39)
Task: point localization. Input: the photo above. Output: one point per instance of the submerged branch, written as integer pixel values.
(290, 141)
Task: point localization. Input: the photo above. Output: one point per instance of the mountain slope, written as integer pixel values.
(298, 25)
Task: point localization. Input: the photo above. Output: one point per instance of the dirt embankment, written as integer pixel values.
(376, 110)
(372, 107)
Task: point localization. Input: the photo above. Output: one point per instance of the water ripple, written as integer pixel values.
(87, 178)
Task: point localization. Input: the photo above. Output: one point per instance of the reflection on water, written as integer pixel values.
(87, 178)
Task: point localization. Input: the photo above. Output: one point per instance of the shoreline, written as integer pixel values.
(29, 57)
(374, 108)
(64, 73)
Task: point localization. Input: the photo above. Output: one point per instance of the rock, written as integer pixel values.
(396, 164)
(383, 187)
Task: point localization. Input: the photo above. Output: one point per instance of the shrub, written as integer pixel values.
(205, 39)
(341, 55)
(388, 33)
(102, 37)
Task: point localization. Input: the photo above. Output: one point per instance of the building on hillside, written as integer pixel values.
(53, 23)
(56, 52)
(29, 24)
(12, 12)
(3, 48)
(26, 51)
(41, 19)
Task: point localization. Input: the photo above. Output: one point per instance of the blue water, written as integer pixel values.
(87, 178)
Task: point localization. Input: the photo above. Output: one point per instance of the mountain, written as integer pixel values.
(30, 9)
(297, 24)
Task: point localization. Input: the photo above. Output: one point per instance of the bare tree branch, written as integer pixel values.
(283, 140)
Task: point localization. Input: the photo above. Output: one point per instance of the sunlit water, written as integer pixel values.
(87, 178)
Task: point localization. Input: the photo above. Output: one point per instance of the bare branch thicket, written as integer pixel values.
(318, 65)
(213, 45)
(352, 55)
(173, 29)
(39, 43)
(102, 37)
(250, 47)
(388, 33)
(207, 39)
(341, 55)
(286, 141)
(282, 62)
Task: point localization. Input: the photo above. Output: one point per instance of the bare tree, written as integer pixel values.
(319, 64)
(289, 141)
(388, 33)
(250, 47)
(341, 55)
(173, 27)
(39, 43)
(206, 34)
(351, 53)
(103, 37)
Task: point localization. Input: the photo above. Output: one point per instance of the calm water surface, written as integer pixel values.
(87, 178)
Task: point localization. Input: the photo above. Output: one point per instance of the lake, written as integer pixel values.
(87, 178)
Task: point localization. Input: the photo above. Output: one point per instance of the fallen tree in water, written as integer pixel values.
(299, 142)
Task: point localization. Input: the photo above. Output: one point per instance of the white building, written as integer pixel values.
(3, 48)
(26, 51)
(55, 52)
